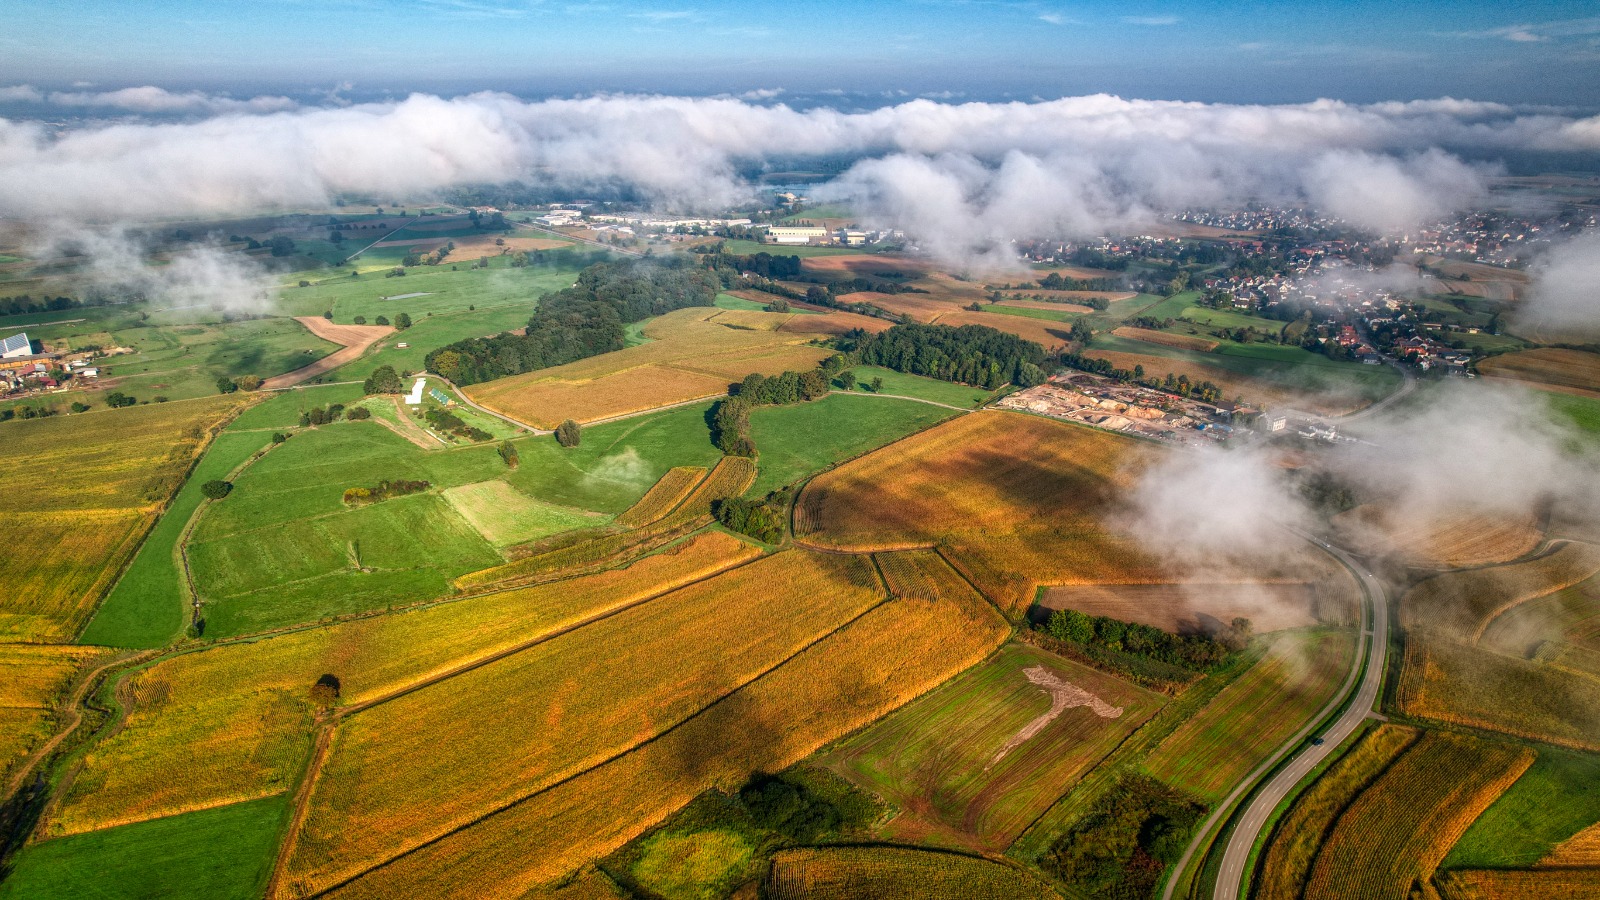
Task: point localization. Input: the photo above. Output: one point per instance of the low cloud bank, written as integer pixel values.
(965, 178)
(1565, 294)
(198, 276)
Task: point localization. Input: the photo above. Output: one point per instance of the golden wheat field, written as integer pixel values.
(1043, 332)
(1581, 851)
(34, 679)
(1398, 830)
(920, 575)
(234, 718)
(1180, 341)
(1015, 500)
(693, 353)
(81, 491)
(663, 496)
(1464, 603)
(561, 708)
(1552, 366)
(1434, 540)
(858, 873)
(1514, 884)
(1299, 834)
(896, 652)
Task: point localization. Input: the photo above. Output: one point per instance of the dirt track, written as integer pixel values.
(354, 339)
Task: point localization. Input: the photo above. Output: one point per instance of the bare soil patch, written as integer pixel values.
(1064, 695)
(354, 339)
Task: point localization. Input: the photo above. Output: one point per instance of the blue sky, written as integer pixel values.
(874, 50)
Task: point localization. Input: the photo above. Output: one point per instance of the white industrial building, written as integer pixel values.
(15, 346)
(415, 397)
(796, 234)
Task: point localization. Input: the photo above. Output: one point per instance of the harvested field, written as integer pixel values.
(1463, 603)
(353, 339)
(1016, 499)
(835, 322)
(1286, 862)
(235, 719)
(1581, 851)
(1473, 686)
(1181, 341)
(1571, 616)
(1254, 715)
(692, 353)
(1549, 366)
(918, 306)
(505, 515)
(975, 762)
(1062, 306)
(1463, 539)
(1512, 884)
(561, 708)
(1398, 830)
(868, 873)
(1044, 332)
(853, 676)
(663, 496)
(1205, 608)
(82, 491)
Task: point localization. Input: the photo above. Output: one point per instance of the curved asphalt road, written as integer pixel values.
(1230, 881)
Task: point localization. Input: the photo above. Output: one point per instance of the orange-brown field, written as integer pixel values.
(835, 322)
(693, 353)
(1062, 307)
(1015, 500)
(1462, 604)
(1047, 334)
(1514, 884)
(1437, 540)
(663, 496)
(1198, 608)
(851, 676)
(1574, 370)
(1180, 341)
(353, 340)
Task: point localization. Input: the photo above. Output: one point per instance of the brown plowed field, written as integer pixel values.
(1181, 341)
(1573, 369)
(353, 339)
(1044, 332)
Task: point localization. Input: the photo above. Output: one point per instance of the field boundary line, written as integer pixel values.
(663, 733)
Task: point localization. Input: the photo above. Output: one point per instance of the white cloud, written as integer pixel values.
(1151, 21)
(21, 93)
(1565, 294)
(154, 100)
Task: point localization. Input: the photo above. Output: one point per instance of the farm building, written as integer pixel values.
(795, 234)
(415, 397)
(16, 346)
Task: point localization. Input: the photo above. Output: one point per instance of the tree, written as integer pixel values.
(360, 320)
(248, 382)
(216, 490)
(508, 454)
(281, 246)
(360, 413)
(779, 306)
(326, 691)
(383, 380)
(847, 380)
(117, 400)
(328, 315)
(402, 321)
(78, 407)
(225, 385)
(568, 433)
(877, 385)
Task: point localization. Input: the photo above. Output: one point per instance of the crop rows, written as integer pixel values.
(1464, 603)
(663, 496)
(1287, 861)
(1398, 830)
(561, 708)
(892, 654)
(1524, 884)
(234, 719)
(1548, 365)
(1180, 341)
(868, 873)
(920, 575)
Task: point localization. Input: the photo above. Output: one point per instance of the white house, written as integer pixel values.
(415, 397)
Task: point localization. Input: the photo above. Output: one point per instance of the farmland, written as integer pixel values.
(235, 717)
(1245, 723)
(863, 873)
(1540, 820)
(1464, 603)
(1202, 608)
(964, 484)
(1573, 370)
(881, 660)
(976, 761)
(1402, 825)
(1182, 342)
(34, 680)
(83, 490)
(692, 353)
(797, 440)
(1438, 540)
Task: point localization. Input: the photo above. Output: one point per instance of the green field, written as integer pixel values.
(281, 411)
(1551, 802)
(216, 854)
(1051, 315)
(729, 301)
(1252, 717)
(429, 333)
(939, 759)
(1583, 412)
(899, 384)
(1293, 368)
(1139, 304)
(1227, 318)
(803, 438)
(444, 291)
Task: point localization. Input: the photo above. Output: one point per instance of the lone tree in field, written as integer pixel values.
(877, 385)
(508, 453)
(225, 385)
(383, 380)
(402, 321)
(325, 691)
(381, 320)
(847, 380)
(568, 433)
(248, 382)
(216, 490)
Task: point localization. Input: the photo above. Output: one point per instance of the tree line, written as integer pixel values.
(969, 354)
(584, 320)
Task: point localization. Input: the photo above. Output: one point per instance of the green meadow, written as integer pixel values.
(801, 439)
